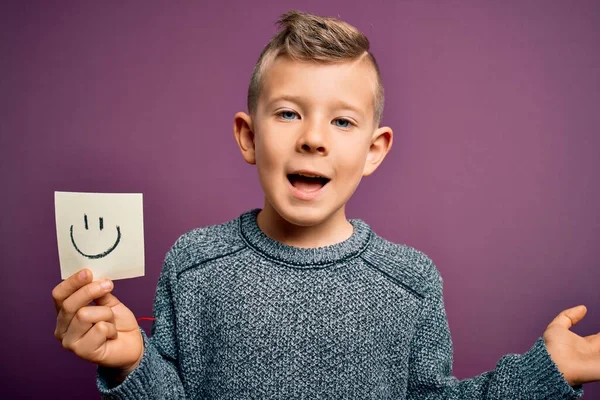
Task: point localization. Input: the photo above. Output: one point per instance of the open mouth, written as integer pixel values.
(307, 183)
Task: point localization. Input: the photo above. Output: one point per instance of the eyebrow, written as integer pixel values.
(299, 100)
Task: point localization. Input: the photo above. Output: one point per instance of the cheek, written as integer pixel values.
(352, 160)
(268, 156)
(273, 147)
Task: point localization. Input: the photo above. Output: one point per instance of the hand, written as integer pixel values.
(578, 358)
(106, 333)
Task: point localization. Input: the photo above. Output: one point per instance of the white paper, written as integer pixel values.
(100, 231)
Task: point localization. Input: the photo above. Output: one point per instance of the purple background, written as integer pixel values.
(493, 174)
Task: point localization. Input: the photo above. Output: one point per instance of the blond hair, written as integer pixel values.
(308, 37)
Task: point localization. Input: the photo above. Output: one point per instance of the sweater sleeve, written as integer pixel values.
(157, 376)
(532, 375)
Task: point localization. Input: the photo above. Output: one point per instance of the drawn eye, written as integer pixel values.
(101, 222)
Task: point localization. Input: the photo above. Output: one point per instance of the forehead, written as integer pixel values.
(353, 82)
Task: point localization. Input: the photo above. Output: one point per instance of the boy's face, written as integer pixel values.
(315, 120)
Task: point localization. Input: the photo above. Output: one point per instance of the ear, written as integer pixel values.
(244, 136)
(381, 143)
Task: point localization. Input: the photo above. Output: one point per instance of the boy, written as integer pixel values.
(294, 300)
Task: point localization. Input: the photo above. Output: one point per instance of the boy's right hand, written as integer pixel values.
(106, 333)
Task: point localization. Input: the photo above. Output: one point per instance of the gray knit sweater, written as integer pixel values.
(241, 316)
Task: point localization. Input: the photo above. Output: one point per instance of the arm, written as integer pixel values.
(532, 375)
(157, 375)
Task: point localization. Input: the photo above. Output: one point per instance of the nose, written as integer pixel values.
(313, 140)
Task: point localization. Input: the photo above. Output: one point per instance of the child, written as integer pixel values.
(294, 300)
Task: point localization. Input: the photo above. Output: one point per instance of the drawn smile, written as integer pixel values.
(99, 255)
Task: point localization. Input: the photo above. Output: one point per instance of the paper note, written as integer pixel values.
(100, 231)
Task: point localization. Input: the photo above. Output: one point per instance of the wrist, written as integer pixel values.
(115, 376)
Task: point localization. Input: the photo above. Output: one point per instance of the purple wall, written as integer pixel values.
(493, 173)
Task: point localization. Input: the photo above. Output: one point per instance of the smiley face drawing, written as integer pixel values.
(99, 255)
(103, 232)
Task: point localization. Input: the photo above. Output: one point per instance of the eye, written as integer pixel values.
(342, 123)
(287, 115)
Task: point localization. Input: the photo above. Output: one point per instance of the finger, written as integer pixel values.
(81, 298)
(83, 321)
(92, 345)
(69, 286)
(569, 317)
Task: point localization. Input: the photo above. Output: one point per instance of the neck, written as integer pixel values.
(333, 230)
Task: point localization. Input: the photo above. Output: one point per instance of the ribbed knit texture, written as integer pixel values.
(242, 316)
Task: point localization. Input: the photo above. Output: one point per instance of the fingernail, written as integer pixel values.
(105, 284)
(83, 275)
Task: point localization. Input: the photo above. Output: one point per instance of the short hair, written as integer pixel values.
(308, 37)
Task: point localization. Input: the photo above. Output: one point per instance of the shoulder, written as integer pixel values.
(203, 244)
(404, 265)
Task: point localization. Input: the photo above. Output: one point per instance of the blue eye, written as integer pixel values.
(345, 123)
(288, 115)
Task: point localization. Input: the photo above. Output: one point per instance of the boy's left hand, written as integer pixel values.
(578, 358)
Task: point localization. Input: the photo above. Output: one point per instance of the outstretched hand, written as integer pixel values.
(105, 332)
(578, 358)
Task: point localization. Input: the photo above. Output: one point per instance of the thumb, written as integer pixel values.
(123, 317)
(108, 300)
(569, 317)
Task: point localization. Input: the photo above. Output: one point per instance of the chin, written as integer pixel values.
(304, 215)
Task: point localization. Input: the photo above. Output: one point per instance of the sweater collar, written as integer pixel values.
(304, 257)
